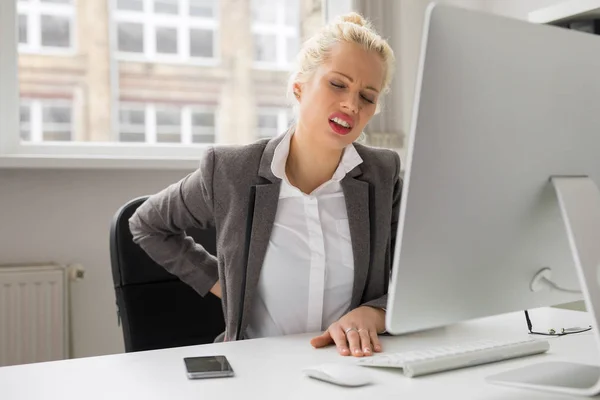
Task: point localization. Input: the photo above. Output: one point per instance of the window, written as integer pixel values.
(132, 123)
(46, 26)
(46, 120)
(164, 123)
(168, 125)
(167, 30)
(276, 31)
(143, 81)
(273, 121)
(203, 126)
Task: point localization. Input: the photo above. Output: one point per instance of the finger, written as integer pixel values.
(322, 340)
(354, 342)
(375, 341)
(339, 337)
(365, 342)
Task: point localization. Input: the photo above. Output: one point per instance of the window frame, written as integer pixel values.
(283, 114)
(185, 117)
(36, 116)
(183, 24)
(34, 10)
(282, 33)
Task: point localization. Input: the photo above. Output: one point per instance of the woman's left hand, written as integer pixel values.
(355, 333)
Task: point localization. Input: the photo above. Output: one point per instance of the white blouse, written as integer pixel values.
(307, 276)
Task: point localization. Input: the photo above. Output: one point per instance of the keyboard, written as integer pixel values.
(437, 359)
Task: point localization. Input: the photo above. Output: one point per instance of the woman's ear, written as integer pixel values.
(297, 90)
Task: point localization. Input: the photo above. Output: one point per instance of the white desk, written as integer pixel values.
(271, 368)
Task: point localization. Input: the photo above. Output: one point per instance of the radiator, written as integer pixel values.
(33, 314)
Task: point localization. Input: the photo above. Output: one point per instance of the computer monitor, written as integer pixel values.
(506, 114)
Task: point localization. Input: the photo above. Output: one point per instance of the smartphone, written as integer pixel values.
(207, 367)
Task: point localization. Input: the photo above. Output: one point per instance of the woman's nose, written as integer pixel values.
(350, 103)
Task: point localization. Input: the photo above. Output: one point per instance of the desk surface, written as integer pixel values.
(272, 368)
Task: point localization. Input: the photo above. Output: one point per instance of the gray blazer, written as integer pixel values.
(218, 194)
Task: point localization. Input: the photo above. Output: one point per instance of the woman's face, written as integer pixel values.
(341, 97)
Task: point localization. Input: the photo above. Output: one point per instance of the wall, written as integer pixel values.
(64, 217)
(519, 8)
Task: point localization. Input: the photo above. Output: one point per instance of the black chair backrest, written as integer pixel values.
(156, 309)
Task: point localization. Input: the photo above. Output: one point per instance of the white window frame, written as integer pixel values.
(33, 10)
(182, 23)
(283, 118)
(36, 121)
(185, 114)
(282, 32)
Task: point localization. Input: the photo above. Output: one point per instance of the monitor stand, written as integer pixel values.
(579, 202)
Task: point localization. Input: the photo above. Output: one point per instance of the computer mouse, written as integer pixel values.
(340, 374)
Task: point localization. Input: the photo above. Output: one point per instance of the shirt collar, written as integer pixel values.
(350, 159)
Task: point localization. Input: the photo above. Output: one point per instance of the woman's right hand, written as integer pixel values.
(216, 289)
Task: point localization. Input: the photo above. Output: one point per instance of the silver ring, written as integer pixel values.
(350, 329)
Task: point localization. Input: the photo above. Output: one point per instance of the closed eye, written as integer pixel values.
(342, 86)
(367, 99)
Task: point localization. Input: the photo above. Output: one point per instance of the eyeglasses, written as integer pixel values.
(553, 332)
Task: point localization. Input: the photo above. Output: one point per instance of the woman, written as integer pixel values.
(323, 210)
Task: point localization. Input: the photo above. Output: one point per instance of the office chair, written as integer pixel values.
(155, 308)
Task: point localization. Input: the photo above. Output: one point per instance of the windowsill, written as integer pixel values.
(23, 161)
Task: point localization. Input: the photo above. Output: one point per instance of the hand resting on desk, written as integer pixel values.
(357, 330)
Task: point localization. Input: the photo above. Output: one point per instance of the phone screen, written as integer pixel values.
(208, 367)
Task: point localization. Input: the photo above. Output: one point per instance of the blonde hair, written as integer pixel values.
(349, 28)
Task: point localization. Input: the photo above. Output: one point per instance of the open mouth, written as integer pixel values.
(340, 126)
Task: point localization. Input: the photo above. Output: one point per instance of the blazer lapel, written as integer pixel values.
(356, 193)
(265, 209)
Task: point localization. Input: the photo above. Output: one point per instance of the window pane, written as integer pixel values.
(265, 48)
(292, 46)
(55, 31)
(168, 118)
(267, 121)
(132, 123)
(56, 115)
(265, 11)
(202, 8)
(132, 5)
(132, 137)
(201, 43)
(24, 114)
(168, 137)
(23, 29)
(57, 136)
(133, 117)
(131, 37)
(25, 119)
(166, 40)
(292, 12)
(166, 6)
(200, 138)
(203, 119)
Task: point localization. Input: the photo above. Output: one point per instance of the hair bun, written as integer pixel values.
(354, 18)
